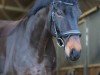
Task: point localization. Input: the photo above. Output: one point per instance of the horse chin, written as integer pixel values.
(68, 59)
(71, 55)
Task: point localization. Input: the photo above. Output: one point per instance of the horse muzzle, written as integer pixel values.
(73, 48)
(74, 55)
(71, 54)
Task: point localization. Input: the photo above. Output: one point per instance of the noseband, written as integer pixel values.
(58, 35)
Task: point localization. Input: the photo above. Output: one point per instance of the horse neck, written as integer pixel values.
(35, 26)
(39, 34)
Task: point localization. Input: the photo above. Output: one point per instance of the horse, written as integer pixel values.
(27, 47)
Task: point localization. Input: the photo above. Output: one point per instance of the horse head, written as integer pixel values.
(64, 27)
(63, 24)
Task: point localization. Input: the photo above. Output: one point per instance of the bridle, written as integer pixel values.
(58, 35)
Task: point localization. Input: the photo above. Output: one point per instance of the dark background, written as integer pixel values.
(15, 9)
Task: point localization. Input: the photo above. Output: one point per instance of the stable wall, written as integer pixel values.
(90, 56)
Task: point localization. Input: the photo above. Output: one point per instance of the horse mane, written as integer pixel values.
(39, 4)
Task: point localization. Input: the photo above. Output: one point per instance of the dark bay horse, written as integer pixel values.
(26, 45)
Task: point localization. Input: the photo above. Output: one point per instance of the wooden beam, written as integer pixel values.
(94, 65)
(12, 8)
(3, 11)
(5, 15)
(72, 67)
(79, 66)
(89, 12)
(19, 4)
(3, 2)
(81, 21)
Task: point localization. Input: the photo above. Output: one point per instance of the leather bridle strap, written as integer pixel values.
(57, 32)
(54, 2)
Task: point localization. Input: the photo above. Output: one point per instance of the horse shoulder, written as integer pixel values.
(6, 27)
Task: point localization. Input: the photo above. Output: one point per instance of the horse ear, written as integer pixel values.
(6, 27)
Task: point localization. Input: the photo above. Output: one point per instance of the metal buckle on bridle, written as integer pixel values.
(60, 41)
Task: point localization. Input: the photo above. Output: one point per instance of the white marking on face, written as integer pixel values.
(67, 51)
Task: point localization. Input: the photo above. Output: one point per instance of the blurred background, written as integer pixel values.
(15, 9)
(89, 24)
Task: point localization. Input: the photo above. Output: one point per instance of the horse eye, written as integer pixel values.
(64, 11)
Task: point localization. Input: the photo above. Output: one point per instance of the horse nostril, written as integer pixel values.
(74, 55)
